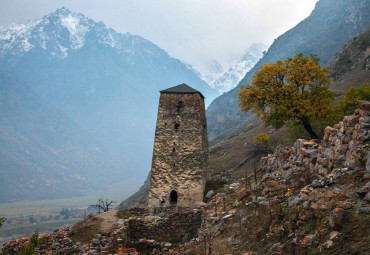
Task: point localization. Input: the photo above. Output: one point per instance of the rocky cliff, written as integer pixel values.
(351, 65)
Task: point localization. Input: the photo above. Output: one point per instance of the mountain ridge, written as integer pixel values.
(43, 153)
(229, 79)
(335, 22)
(111, 92)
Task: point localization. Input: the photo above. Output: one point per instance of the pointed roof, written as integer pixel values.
(181, 89)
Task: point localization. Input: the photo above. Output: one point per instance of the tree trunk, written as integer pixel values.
(307, 126)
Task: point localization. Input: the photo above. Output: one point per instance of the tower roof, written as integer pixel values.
(181, 89)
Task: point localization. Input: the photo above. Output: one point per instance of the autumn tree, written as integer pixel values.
(263, 144)
(290, 91)
(349, 102)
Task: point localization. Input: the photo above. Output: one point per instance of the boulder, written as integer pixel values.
(364, 210)
(364, 190)
(293, 201)
(316, 184)
(367, 197)
(210, 194)
(307, 241)
(344, 204)
(329, 244)
(311, 153)
(336, 218)
(227, 217)
(367, 173)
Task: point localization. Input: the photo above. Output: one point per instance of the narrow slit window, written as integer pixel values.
(179, 106)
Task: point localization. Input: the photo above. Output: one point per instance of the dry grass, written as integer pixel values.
(123, 214)
(230, 153)
(85, 230)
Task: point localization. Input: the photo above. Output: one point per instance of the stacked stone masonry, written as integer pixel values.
(177, 227)
(180, 154)
(339, 151)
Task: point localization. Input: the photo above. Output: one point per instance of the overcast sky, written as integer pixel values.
(195, 31)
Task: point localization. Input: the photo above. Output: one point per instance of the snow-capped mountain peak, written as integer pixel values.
(229, 79)
(77, 26)
(62, 35)
(59, 33)
(215, 70)
(45, 33)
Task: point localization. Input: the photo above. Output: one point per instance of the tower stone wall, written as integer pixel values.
(180, 153)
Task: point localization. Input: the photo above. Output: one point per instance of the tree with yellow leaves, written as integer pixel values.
(290, 91)
(349, 102)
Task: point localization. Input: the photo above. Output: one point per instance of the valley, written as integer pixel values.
(78, 108)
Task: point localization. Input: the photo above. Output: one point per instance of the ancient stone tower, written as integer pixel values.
(180, 154)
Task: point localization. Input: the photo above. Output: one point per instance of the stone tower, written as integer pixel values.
(180, 153)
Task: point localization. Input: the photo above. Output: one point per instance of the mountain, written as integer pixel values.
(215, 70)
(329, 27)
(104, 81)
(140, 197)
(351, 65)
(43, 154)
(233, 76)
(230, 79)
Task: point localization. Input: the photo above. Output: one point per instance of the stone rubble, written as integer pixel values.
(315, 186)
(57, 242)
(304, 197)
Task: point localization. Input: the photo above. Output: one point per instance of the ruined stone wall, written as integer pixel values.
(175, 228)
(339, 151)
(180, 154)
(137, 211)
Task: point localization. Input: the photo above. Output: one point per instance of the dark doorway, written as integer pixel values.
(173, 197)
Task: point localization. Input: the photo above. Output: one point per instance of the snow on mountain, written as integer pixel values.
(215, 70)
(63, 31)
(106, 82)
(229, 79)
(45, 34)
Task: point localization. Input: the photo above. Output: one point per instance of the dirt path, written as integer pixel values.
(109, 219)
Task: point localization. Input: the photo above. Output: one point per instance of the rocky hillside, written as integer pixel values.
(351, 65)
(140, 197)
(329, 27)
(312, 198)
(230, 151)
(348, 69)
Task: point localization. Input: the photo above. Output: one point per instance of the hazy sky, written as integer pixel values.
(195, 31)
